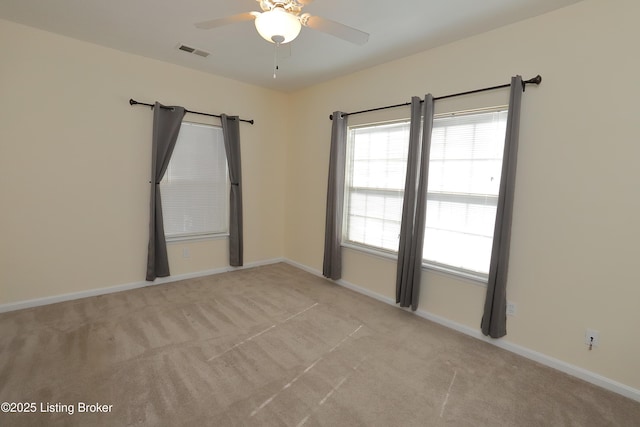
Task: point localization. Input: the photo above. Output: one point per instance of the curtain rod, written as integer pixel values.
(535, 80)
(134, 102)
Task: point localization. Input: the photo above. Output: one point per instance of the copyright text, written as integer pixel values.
(49, 407)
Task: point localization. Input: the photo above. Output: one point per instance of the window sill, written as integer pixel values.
(196, 238)
(476, 279)
(371, 251)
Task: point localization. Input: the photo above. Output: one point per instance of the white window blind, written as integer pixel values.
(464, 178)
(376, 168)
(194, 189)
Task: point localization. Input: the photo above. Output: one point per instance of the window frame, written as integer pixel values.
(473, 276)
(378, 191)
(199, 236)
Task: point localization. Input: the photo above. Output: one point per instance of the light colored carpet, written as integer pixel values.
(274, 346)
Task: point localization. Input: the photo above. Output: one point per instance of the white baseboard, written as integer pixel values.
(541, 358)
(126, 287)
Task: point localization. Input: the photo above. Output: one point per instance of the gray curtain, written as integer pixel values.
(494, 320)
(231, 134)
(414, 205)
(332, 264)
(166, 126)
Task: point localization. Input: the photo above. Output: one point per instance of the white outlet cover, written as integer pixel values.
(511, 308)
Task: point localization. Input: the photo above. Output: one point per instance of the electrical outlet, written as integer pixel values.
(592, 337)
(511, 308)
(185, 253)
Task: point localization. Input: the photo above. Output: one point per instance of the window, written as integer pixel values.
(376, 168)
(464, 179)
(195, 187)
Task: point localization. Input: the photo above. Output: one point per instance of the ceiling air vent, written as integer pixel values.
(201, 53)
(193, 50)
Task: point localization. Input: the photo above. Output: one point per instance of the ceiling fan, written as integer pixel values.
(281, 20)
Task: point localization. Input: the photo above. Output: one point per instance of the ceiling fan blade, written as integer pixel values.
(214, 23)
(303, 2)
(336, 29)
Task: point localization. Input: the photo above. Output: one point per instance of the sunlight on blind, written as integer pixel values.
(464, 179)
(377, 157)
(194, 189)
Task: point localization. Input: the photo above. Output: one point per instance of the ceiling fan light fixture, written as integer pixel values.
(278, 22)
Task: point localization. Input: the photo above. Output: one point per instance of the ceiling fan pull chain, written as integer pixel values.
(275, 59)
(277, 40)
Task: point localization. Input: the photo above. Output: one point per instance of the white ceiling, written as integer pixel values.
(154, 28)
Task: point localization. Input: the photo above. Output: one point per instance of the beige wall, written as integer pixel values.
(574, 249)
(75, 164)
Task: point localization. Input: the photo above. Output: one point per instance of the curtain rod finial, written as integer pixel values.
(535, 80)
(132, 101)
